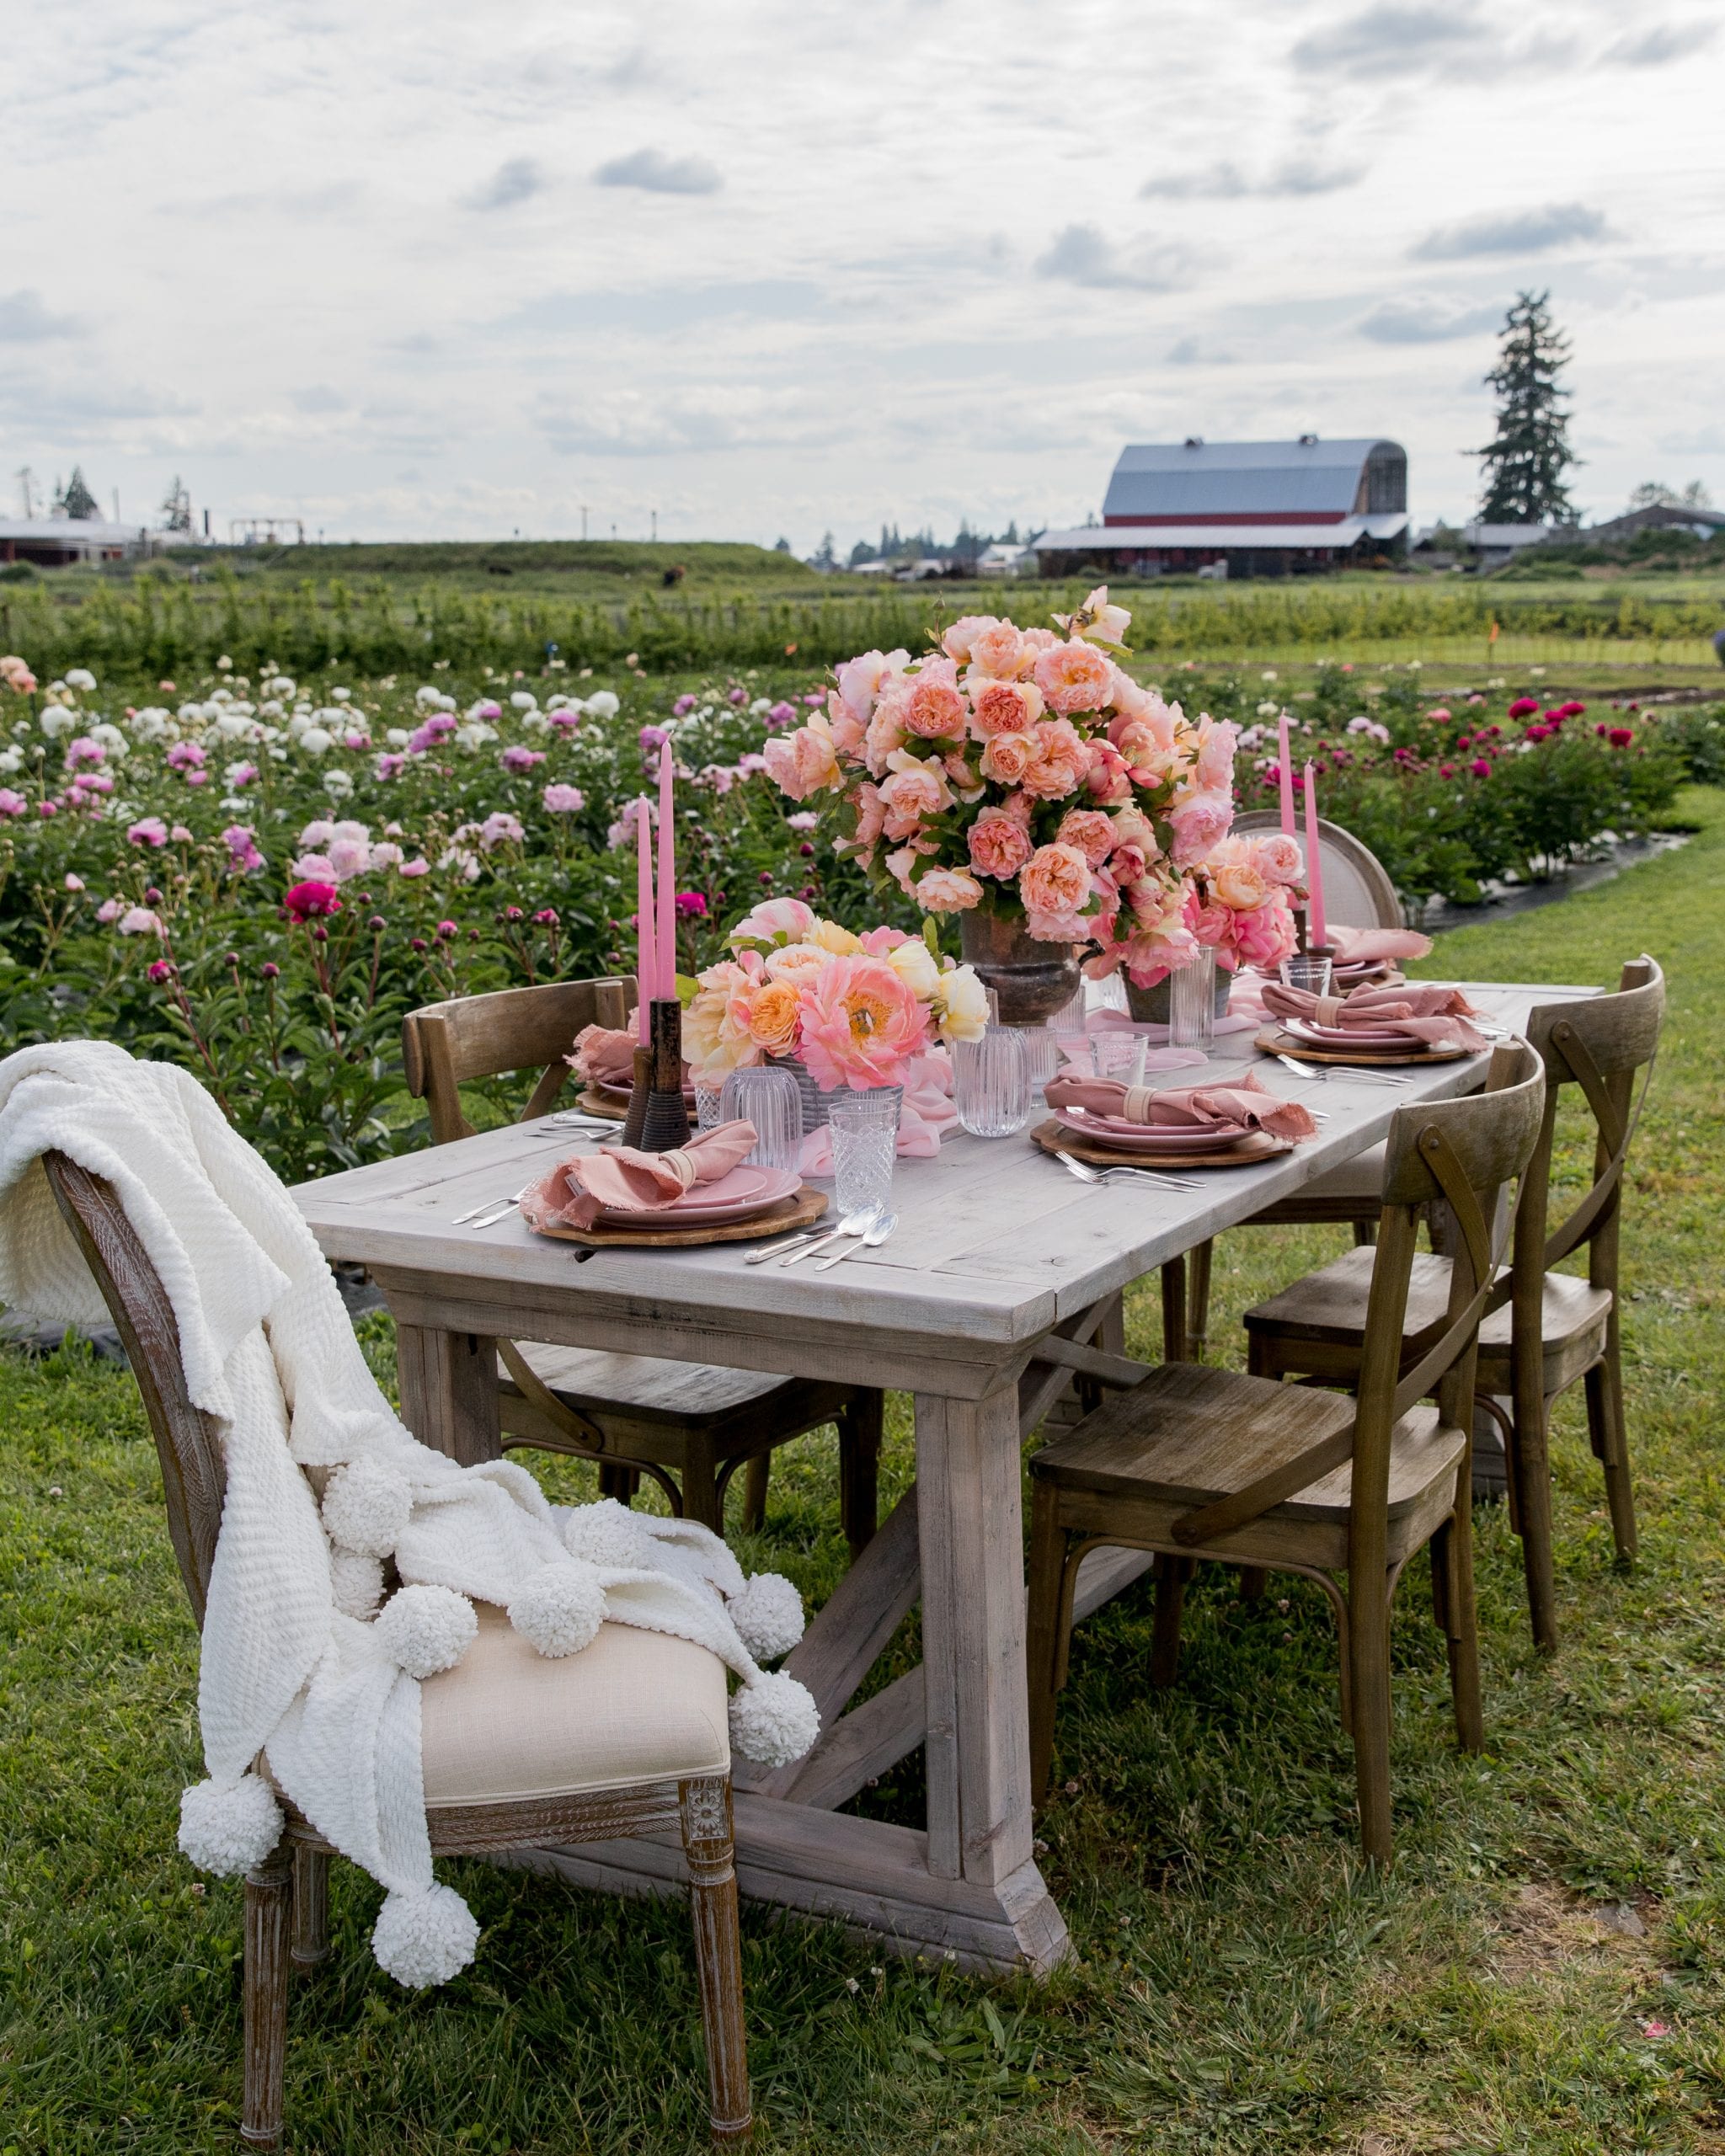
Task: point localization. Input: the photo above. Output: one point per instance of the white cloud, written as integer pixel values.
(1512, 231)
(1665, 41)
(1417, 320)
(23, 320)
(514, 181)
(660, 174)
(1226, 183)
(1083, 254)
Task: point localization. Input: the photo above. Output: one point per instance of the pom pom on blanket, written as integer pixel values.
(559, 1610)
(228, 1827)
(768, 1616)
(424, 1937)
(357, 1581)
(366, 1506)
(774, 1720)
(608, 1534)
(426, 1628)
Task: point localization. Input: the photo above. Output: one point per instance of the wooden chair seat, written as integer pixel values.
(1189, 1435)
(1573, 1319)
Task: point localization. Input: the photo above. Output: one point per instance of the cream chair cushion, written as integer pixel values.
(633, 1706)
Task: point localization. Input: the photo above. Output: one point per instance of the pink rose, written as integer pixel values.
(910, 792)
(1057, 927)
(861, 680)
(886, 732)
(848, 732)
(1000, 652)
(947, 890)
(1127, 864)
(1108, 779)
(1200, 822)
(1091, 831)
(804, 762)
(1000, 844)
(871, 814)
(1007, 757)
(861, 1023)
(1215, 754)
(959, 641)
(1212, 924)
(1075, 676)
(1055, 879)
(1004, 707)
(1061, 761)
(774, 920)
(934, 710)
(1277, 857)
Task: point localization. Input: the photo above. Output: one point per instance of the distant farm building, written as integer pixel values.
(1657, 516)
(51, 542)
(1241, 508)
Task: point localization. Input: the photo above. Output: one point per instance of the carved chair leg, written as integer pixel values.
(1198, 1271)
(703, 1493)
(1170, 1575)
(1531, 1469)
(1611, 1441)
(269, 1913)
(1452, 1591)
(1369, 1656)
(311, 1907)
(1042, 1645)
(860, 1431)
(705, 1809)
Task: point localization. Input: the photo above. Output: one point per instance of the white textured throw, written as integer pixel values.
(297, 1660)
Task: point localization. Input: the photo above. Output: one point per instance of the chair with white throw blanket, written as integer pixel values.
(352, 1699)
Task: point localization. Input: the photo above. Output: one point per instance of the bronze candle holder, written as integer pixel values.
(665, 1121)
(639, 1089)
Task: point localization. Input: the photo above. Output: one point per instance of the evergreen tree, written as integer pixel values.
(1524, 463)
(177, 507)
(78, 501)
(823, 557)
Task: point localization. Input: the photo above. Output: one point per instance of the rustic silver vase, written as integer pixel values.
(1031, 979)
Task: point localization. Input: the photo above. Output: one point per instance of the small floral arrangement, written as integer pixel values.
(1023, 772)
(857, 1010)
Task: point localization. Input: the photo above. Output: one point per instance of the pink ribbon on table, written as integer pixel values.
(1424, 1011)
(926, 1112)
(1246, 1100)
(576, 1190)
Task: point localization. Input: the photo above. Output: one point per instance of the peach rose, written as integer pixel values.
(912, 792)
(959, 641)
(773, 1016)
(998, 650)
(1055, 879)
(1007, 757)
(861, 680)
(1215, 771)
(947, 890)
(886, 732)
(796, 963)
(1000, 844)
(1075, 676)
(1239, 885)
(1200, 822)
(1090, 831)
(848, 732)
(1004, 707)
(802, 763)
(1127, 863)
(1108, 779)
(1061, 761)
(1279, 857)
(871, 814)
(933, 710)
(1057, 927)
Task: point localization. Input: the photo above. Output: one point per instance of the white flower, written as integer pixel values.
(914, 964)
(281, 686)
(112, 740)
(524, 700)
(602, 704)
(474, 734)
(535, 722)
(760, 705)
(151, 724)
(339, 784)
(12, 759)
(233, 725)
(80, 677)
(1267, 674)
(224, 665)
(963, 1007)
(398, 737)
(314, 740)
(55, 718)
(340, 695)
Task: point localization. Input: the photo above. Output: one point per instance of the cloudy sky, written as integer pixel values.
(781, 265)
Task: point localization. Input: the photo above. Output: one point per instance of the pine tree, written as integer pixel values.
(1524, 463)
(78, 501)
(177, 507)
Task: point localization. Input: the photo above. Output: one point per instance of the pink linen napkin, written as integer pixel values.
(925, 1112)
(625, 1181)
(1186, 1107)
(605, 1058)
(1424, 1011)
(1364, 946)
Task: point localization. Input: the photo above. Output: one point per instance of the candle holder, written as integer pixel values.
(665, 1121)
(639, 1087)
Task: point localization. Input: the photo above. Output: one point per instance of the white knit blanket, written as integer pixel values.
(299, 1663)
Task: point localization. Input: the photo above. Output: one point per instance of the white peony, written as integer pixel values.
(81, 678)
(315, 740)
(963, 1007)
(915, 964)
(602, 704)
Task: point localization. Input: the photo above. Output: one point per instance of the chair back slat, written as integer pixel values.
(1359, 891)
(1492, 1136)
(192, 1475)
(447, 1045)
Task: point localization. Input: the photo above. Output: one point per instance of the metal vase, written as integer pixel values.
(1031, 979)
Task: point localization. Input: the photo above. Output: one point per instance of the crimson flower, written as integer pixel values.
(307, 901)
(1524, 706)
(1620, 737)
(1481, 767)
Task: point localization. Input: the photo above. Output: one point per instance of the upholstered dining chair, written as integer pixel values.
(690, 1426)
(628, 1738)
(1358, 893)
(1548, 1330)
(1192, 1462)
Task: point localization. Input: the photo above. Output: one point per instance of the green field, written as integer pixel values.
(1240, 1987)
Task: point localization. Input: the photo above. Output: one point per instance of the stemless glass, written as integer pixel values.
(1307, 970)
(772, 1100)
(709, 1107)
(991, 1082)
(1191, 1001)
(865, 1137)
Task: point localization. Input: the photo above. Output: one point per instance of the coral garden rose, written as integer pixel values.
(960, 639)
(773, 1017)
(1215, 771)
(1241, 885)
(999, 651)
(886, 734)
(1004, 707)
(1091, 831)
(1007, 757)
(910, 792)
(1200, 821)
(1055, 879)
(947, 890)
(1279, 857)
(861, 1024)
(933, 710)
(861, 679)
(804, 762)
(1061, 760)
(999, 846)
(1075, 677)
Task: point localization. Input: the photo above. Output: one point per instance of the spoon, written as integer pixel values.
(872, 1240)
(853, 1224)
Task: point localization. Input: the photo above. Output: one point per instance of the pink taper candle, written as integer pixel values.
(1284, 772)
(667, 931)
(646, 962)
(1316, 925)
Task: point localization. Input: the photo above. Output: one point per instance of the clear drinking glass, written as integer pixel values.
(1308, 970)
(865, 1138)
(772, 1100)
(1191, 1001)
(991, 1082)
(709, 1107)
(1042, 1056)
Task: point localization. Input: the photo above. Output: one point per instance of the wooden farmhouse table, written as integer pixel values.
(1004, 1277)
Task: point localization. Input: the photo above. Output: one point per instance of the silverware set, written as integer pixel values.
(1362, 1074)
(867, 1230)
(1156, 1178)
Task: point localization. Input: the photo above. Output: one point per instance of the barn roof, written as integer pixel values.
(1198, 479)
(1140, 538)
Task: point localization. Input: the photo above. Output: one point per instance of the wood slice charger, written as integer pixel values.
(1274, 1041)
(800, 1210)
(1054, 1137)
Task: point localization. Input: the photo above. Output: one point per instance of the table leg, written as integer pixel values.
(448, 1386)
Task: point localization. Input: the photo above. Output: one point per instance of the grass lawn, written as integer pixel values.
(1239, 1985)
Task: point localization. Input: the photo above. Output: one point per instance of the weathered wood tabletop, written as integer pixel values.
(1002, 1265)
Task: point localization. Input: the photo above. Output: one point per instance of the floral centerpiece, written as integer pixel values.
(856, 1010)
(1025, 775)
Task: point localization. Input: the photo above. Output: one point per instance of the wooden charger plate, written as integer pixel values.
(1274, 1042)
(801, 1210)
(1054, 1137)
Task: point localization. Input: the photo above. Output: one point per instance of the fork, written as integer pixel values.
(1363, 1072)
(489, 1217)
(486, 1205)
(1085, 1173)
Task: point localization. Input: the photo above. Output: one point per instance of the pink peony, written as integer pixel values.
(774, 920)
(1004, 707)
(243, 774)
(564, 800)
(348, 858)
(13, 802)
(1200, 822)
(1062, 759)
(801, 763)
(1055, 879)
(1075, 676)
(516, 758)
(309, 900)
(83, 750)
(861, 1024)
(313, 868)
(148, 830)
(1266, 935)
(947, 890)
(1091, 832)
(499, 828)
(109, 910)
(934, 710)
(999, 846)
(139, 920)
(241, 843)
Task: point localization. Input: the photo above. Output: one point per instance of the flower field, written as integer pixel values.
(257, 874)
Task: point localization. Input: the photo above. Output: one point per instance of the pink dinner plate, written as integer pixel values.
(744, 1191)
(1172, 1138)
(1306, 1029)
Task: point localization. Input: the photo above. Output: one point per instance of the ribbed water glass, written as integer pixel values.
(865, 1138)
(772, 1100)
(1307, 970)
(1191, 1001)
(991, 1083)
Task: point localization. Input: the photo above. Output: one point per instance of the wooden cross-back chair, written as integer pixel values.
(690, 1426)
(1359, 894)
(1193, 1462)
(516, 1750)
(1545, 1330)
